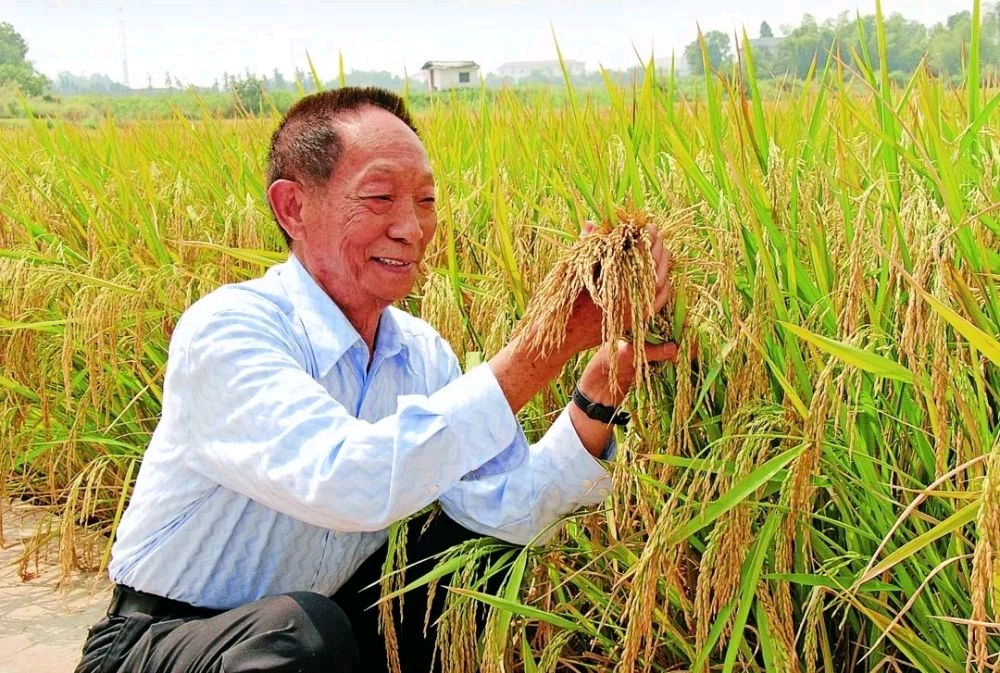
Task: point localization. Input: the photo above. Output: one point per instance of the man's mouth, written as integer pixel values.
(396, 263)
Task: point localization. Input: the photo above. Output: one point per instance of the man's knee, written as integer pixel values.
(302, 627)
(323, 613)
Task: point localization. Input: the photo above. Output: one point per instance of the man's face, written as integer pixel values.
(366, 229)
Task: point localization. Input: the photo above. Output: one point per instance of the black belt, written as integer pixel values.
(126, 601)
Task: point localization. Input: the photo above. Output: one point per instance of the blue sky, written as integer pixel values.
(196, 41)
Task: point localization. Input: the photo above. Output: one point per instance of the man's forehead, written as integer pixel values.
(383, 168)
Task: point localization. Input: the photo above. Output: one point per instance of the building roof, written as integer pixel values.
(444, 65)
(537, 64)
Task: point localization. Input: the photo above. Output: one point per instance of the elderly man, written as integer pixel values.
(303, 415)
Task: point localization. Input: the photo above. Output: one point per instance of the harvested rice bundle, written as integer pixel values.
(615, 266)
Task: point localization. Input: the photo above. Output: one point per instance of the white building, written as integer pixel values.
(518, 70)
(443, 75)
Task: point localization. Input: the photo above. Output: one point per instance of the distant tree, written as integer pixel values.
(805, 44)
(906, 41)
(249, 92)
(961, 19)
(719, 48)
(13, 48)
(765, 29)
(68, 83)
(949, 42)
(851, 39)
(15, 70)
(278, 82)
(991, 33)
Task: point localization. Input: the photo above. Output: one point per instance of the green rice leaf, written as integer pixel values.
(856, 357)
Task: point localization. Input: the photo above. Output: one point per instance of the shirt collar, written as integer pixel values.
(328, 330)
(388, 337)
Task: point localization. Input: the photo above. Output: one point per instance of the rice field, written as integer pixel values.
(814, 487)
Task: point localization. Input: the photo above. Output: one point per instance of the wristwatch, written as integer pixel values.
(599, 412)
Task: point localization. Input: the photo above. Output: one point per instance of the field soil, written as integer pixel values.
(43, 621)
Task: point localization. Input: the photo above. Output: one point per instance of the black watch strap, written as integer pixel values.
(599, 412)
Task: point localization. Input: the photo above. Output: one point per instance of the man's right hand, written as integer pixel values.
(583, 330)
(522, 371)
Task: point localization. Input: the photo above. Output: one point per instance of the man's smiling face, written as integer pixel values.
(367, 227)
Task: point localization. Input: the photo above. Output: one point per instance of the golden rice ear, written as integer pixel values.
(615, 266)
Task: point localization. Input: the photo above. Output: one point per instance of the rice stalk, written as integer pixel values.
(615, 267)
(985, 569)
(393, 580)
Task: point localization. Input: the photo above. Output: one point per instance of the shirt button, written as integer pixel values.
(604, 492)
(588, 484)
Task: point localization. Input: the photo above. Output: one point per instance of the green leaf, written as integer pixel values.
(525, 610)
(739, 492)
(986, 344)
(856, 357)
(953, 523)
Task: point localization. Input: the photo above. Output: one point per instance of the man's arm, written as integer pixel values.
(257, 423)
(560, 474)
(594, 384)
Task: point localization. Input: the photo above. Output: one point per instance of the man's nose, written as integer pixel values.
(406, 223)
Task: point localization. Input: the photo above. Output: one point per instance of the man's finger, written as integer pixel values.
(665, 352)
(663, 264)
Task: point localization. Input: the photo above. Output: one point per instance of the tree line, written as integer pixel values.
(15, 70)
(942, 48)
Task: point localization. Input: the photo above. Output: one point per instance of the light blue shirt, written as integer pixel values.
(281, 456)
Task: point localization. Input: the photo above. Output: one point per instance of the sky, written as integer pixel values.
(196, 41)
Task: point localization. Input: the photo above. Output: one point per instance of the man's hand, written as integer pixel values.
(521, 370)
(596, 384)
(583, 330)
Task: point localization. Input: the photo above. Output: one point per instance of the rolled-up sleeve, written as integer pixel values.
(521, 506)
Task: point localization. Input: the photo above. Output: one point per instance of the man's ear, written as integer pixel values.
(286, 197)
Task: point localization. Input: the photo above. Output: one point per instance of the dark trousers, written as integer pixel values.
(300, 631)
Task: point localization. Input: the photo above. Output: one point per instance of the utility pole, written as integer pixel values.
(121, 25)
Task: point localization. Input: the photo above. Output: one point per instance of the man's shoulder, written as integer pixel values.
(259, 299)
(418, 337)
(411, 326)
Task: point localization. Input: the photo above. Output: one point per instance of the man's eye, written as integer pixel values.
(429, 200)
(380, 197)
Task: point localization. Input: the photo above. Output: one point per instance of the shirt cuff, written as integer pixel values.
(581, 473)
(610, 449)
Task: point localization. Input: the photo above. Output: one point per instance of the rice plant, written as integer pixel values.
(812, 487)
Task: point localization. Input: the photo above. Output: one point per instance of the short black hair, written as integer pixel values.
(307, 144)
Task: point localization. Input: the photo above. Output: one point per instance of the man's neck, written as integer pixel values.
(367, 327)
(364, 319)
